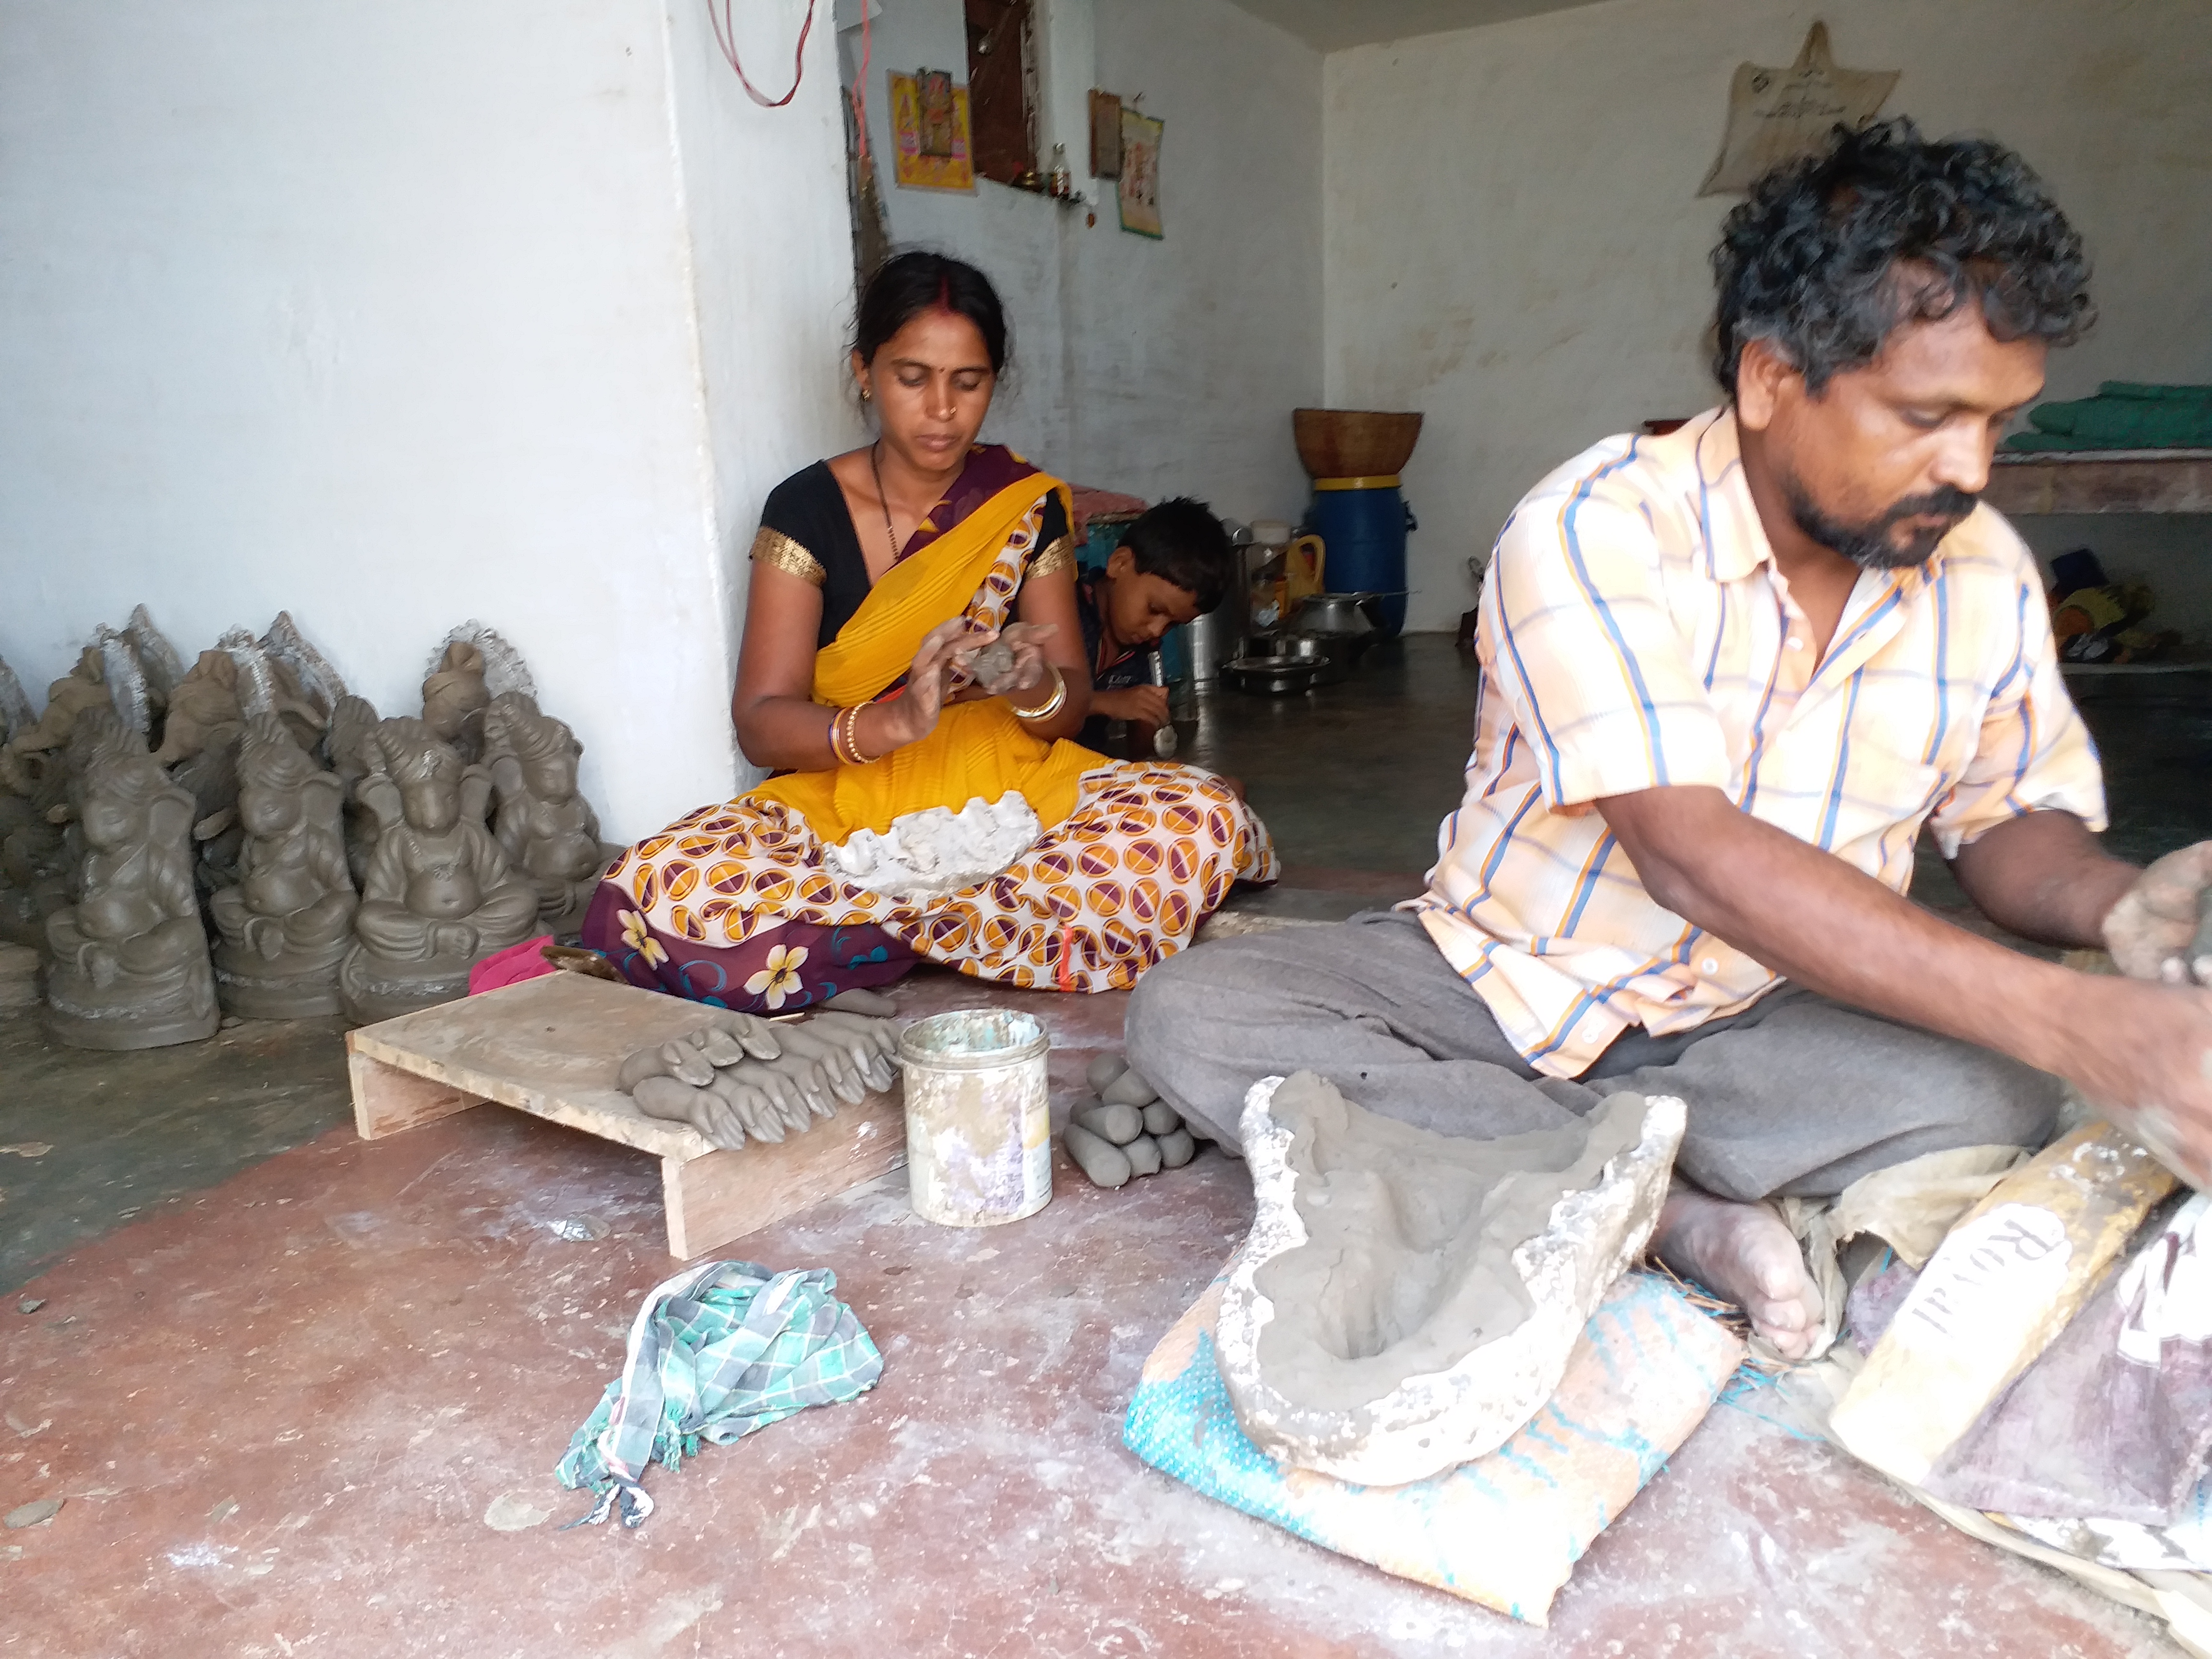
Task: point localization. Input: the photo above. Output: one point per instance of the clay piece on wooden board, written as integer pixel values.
(438, 893)
(937, 852)
(287, 922)
(1407, 1300)
(737, 1077)
(546, 828)
(128, 964)
(473, 665)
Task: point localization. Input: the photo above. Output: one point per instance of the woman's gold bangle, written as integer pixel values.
(852, 718)
(852, 736)
(1051, 705)
(844, 739)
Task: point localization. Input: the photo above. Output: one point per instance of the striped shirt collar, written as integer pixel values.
(1731, 557)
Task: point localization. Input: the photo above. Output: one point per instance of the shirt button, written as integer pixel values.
(1796, 644)
(1709, 965)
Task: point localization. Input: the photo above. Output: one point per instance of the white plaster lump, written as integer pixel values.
(1431, 1289)
(931, 854)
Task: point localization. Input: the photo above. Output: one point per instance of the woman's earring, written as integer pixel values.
(866, 396)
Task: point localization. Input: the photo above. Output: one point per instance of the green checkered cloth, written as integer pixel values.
(716, 1352)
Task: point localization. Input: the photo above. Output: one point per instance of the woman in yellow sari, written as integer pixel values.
(879, 577)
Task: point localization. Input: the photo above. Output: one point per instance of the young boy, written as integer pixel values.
(1173, 565)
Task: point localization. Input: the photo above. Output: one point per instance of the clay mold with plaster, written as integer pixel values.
(1406, 1300)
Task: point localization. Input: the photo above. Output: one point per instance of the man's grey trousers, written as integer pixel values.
(1796, 1095)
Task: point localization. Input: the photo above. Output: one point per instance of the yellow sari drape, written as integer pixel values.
(978, 748)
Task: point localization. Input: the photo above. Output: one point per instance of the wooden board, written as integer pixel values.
(725, 1196)
(551, 1046)
(2102, 481)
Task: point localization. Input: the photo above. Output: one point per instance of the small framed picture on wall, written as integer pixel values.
(930, 132)
(1140, 173)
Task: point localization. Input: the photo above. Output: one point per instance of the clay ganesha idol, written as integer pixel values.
(438, 893)
(546, 828)
(287, 922)
(129, 966)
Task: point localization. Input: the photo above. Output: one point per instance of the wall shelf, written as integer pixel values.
(2101, 481)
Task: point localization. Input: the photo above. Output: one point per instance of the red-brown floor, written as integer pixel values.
(280, 1411)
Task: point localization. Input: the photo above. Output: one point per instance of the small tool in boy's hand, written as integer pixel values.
(1164, 736)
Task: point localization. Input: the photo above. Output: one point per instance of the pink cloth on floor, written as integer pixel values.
(510, 966)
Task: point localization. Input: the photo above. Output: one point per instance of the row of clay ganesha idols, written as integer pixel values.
(245, 837)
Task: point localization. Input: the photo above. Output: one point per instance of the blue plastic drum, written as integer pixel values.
(1362, 523)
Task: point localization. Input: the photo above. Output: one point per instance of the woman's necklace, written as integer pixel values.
(875, 466)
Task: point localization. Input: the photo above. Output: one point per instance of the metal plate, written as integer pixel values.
(1276, 676)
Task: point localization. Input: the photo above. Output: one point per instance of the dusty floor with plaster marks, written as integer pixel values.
(280, 1376)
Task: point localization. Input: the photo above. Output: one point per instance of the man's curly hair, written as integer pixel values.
(1831, 253)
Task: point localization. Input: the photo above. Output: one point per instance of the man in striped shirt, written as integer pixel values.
(1728, 675)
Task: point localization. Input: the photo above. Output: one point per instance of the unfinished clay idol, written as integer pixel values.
(129, 960)
(212, 778)
(16, 713)
(474, 665)
(157, 659)
(547, 829)
(268, 685)
(347, 746)
(201, 703)
(83, 688)
(439, 893)
(286, 923)
(37, 863)
(309, 670)
(1407, 1300)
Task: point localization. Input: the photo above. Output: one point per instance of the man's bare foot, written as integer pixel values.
(1743, 1252)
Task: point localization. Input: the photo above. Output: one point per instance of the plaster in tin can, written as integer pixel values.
(978, 1117)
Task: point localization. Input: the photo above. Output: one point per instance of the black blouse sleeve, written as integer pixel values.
(807, 531)
(1055, 549)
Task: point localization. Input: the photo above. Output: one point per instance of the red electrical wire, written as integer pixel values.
(718, 13)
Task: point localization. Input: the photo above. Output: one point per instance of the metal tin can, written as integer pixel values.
(978, 1117)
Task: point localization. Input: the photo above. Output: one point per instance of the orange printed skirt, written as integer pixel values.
(735, 904)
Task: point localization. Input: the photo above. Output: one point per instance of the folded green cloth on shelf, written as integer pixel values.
(2123, 414)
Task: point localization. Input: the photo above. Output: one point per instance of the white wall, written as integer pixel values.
(391, 316)
(1515, 246)
(1156, 368)
(771, 247)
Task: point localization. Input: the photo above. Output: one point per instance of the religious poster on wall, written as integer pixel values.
(1140, 184)
(929, 132)
(1777, 115)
